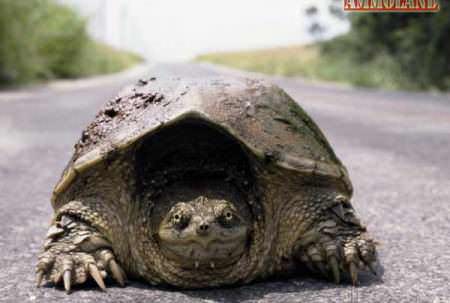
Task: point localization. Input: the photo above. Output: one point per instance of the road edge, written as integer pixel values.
(74, 84)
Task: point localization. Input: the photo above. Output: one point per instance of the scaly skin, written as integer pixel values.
(328, 237)
(161, 142)
(317, 227)
(75, 250)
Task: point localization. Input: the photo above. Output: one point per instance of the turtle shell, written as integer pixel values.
(259, 115)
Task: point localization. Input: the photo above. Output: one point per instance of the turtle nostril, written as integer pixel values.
(203, 228)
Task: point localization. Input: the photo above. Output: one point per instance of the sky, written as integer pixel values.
(174, 30)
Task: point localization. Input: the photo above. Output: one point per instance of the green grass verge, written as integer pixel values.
(310, 62)
(41, 40)
(101, 58)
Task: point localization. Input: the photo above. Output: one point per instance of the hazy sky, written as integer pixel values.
(167, 30)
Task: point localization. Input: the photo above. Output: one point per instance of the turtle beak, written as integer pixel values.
(204, 233)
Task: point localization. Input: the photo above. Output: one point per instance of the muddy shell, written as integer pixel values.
(259, 115)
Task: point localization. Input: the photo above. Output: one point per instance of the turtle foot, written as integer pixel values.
(75, 252)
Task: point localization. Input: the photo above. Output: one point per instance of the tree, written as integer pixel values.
(419, 43)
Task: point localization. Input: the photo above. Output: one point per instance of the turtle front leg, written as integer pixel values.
(75, 250)
(333, 241)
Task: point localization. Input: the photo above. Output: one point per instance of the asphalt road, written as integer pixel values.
(395, 145)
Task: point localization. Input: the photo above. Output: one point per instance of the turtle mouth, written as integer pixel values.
(189, 159)
(195, 255)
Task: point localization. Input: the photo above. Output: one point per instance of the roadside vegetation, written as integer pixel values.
(309, 61)
(391, 51)
(41, 40)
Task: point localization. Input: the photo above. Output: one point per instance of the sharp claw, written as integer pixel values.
(353, 273)
(372, 268)
(39, 277)
(335, 269)
(67, 280)
(93, 270)
(123, 274)
(116, 272)
(57, 277)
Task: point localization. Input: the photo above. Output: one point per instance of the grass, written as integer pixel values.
(309, 61)
(101, 58)
(42, 40)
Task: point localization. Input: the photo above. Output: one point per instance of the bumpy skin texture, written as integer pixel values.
(75, 249)
(202, 185)
(329, 239)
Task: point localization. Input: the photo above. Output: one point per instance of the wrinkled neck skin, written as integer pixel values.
(265, 252)
(263, 245)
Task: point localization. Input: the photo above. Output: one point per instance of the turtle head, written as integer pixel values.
(203, 233)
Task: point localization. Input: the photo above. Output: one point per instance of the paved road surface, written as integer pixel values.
(396, 146)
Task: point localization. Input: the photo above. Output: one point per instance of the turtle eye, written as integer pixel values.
(228, 215)
(180, 220)
(227, 218)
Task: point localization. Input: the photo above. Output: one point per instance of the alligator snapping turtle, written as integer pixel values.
(202, 183)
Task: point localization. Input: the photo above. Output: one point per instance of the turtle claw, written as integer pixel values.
(334, 269)
(353, 273)
(57, 278)
(116, 272)
(75, 267)
(332, 257)
(372, 268)
(111, 266)
(95, 274)
(39, 277)
(67, 280)
(75, 252)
